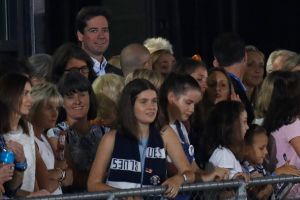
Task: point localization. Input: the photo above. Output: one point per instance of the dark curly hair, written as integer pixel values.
(223, 126)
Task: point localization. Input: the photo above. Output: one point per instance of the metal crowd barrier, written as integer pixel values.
(207, 190)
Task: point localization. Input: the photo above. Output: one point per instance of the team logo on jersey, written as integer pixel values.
(154, 180)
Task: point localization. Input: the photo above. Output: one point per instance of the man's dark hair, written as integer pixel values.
(88, 12)
(228, 49)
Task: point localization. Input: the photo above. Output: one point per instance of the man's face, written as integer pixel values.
(95, 36)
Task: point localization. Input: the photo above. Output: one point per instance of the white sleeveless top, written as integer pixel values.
(29, 150)
(47, 155)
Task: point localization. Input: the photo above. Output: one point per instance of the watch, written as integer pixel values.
(21, 166)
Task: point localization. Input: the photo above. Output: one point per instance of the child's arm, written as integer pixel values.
(265, 192)
(260, 192)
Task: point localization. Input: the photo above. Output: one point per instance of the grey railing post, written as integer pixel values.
(111, 197)
(241, 192)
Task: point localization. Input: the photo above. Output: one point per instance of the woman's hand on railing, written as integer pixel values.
(173, 184)
(220, 174)
(241, 175)
(287, 169)
(217, 174)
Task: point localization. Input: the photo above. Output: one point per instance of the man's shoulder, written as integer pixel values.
(112, 69)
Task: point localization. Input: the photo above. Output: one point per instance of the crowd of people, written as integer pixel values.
(77, 122)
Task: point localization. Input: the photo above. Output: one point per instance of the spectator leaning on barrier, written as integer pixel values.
(133, 142)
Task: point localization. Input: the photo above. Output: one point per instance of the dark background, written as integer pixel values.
(190, 25)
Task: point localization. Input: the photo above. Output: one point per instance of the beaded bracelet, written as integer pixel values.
(62, 174)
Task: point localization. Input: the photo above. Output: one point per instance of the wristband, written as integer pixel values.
(21, 166)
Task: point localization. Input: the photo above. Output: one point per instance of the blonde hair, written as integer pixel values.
(264, 95)
(154, 77)
(44, 93)
(276, 54)
(158, 43)
(155, 55)
(252, 48)
(108, 89)
(109, 84)
(291, 63)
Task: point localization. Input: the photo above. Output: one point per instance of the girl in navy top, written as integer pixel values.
(131, 162)
(178, 96)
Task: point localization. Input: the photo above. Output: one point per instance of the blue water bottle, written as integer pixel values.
(7, 156)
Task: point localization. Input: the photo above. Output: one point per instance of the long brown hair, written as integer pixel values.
(126, 116)
(11, 91)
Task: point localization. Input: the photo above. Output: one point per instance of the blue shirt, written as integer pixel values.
(238, 80)
(142, 148)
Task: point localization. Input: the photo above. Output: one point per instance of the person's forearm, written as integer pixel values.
(96, 187)
(49, 185)
(188, 177)
(22, 193)
(54, 174)
(16, 181)
(199, 176)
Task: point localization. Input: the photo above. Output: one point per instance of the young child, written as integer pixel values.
(256, 142)
(224, 136)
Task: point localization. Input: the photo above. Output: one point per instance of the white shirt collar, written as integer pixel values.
(98, 67)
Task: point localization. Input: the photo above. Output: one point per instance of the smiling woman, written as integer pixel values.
(79, 107)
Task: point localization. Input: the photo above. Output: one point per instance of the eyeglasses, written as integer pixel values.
(82, 69)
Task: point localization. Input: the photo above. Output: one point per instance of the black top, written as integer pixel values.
(112, 69)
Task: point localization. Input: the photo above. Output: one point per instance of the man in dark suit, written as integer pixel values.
(229, 52)
(92, 29)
